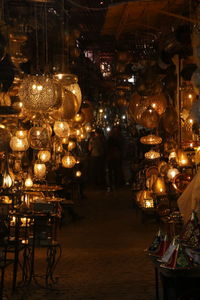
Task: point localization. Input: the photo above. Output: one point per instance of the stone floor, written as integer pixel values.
(103, 254)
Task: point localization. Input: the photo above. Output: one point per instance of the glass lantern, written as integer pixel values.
(38, 93)
(39, 170)
(19, 144)
(61, 129)
(39, 138)
(68, 161)
(44, 155)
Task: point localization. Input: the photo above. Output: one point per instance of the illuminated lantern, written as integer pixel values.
(21, 133)
(152, 154)
(69, 106)
(78, 174)
(159, 187)
(151, 139)
(182, 158)
(88, 127)
(146, 199)
(19, 144)
(38, 93)
(65, 140)
(170, 120)
(7, 181)
(79, 118)
(68, 161)
(39, 170)
(158, 102)
(71, 145)
(172, 172)
(189, 96)
(39, 138)
(28, 182)
(70, 83)
(150, 118)
(61, 129)
(44, 155)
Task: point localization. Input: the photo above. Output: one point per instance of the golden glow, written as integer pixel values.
(44, 155)
(39, 170)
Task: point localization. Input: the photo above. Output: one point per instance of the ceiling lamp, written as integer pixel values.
(152, 154)
(151, 139)
(38, 93)
(150, 118)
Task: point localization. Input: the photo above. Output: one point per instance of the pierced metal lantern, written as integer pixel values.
(152, 154)
(39, 170)
(44, 155)
(61, 129)
(68, 161)
(19, 144)
(151, 139)
(39, 138)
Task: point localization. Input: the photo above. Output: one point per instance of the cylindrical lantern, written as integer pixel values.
(39, 170)
(68, 161)
(61, 129)
(159, 187)
(19, 144)
(182, 158)
(44, 155)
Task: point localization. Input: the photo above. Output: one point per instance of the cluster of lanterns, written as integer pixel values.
(50, 123)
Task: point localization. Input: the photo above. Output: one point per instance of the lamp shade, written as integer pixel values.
(39, 138)
(38, 93)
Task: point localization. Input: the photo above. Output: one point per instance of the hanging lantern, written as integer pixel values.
(21, 133)
(19, 144)
(79, 118)
(61, 129)
(170, 120)
(39, 93)
(158, 102)
(71, 145)
(88, 127)
(146, 200)
(151, 139)
(65, 140)
(70, 83)
(150, 118)
(68, 161)
(182, 158)
(172, 172)
(159, 187)
(68, 108)
(152, 154)
(39, 170)
(189, 97)
(44, 155)
(7, 180)
(78, 174)
(28, 182)
(39, 138)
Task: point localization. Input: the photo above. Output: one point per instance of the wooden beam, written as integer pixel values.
(167, 13)
(122, 20)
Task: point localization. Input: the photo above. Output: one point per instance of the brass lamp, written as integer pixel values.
(151, 139)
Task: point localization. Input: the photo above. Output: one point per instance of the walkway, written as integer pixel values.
(103, 255)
